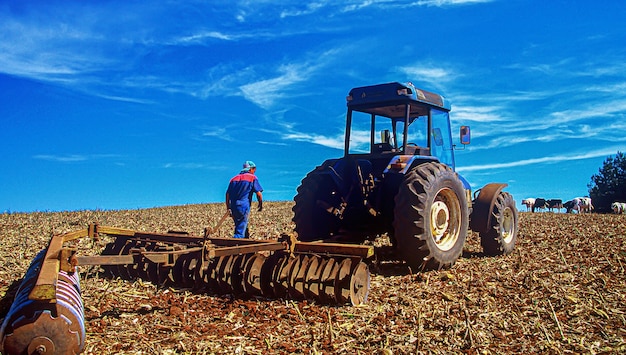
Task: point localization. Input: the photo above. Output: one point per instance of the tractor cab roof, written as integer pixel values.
(389, 100)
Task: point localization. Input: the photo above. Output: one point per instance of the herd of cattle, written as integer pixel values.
(579, 204)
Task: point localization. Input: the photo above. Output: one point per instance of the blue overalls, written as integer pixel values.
(240, 190)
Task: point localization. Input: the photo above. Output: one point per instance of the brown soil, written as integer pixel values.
(563, 290)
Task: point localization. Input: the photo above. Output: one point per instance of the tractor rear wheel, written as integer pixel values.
(312, 221)
(431, 217)
(501, 236)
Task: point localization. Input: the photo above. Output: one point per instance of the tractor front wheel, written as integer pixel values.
(502, 234)
(431, 217)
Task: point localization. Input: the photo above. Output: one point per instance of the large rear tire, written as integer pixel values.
(312, 221)
(502, 235)
(431, 217)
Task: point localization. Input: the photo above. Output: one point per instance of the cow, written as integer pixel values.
(529, 203)
(585, 205)
(618, 207)
(554, 203)
(579, 204)
(540, 204)
(569, 206)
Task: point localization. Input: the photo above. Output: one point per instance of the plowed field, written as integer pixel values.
(562, 291)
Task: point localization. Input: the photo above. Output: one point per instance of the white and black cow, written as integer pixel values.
(571, 205)
(618, 207)
(579, 204)
(540, 204)
(529, 203)
(555, 203)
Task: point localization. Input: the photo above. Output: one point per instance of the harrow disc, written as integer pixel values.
(285, 278)
(221, 273)
(112, 248)
(124, 271)
(234, 276)
(199, 271)
(297, 277)
(186, 269)
(327, 281)
(359, 284)
(208, 274)
(193, 269)
(165, 275)
(312, 277)
(164, 271)
(342, 281)
(252, 275)
(134, 270)
(270, 276)
(177, 270)
(152, 269)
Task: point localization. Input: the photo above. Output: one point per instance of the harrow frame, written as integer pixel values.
(49, 296)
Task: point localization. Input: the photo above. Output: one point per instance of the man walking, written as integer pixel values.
(239, 198)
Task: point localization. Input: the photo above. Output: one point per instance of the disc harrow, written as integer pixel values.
(326, 273)
(47, 313)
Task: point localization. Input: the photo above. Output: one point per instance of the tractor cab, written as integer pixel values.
(401, 120)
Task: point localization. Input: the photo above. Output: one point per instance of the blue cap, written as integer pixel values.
(248, 165)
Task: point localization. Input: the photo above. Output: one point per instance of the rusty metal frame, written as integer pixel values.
(59, 257)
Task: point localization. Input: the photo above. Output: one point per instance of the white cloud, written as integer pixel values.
(126, 99)
(359, 140)
(590, 110)
(442, 3)
(201, 36)
(265, 92)
(326, 141)
(58, 48)
(360, 5)
(62, 159)
(72, 158)
(549, 159)
(217, 132)
(184, 166)
(310, 8)
(433, 75)
(477, 114)
(272, 143)
(389, 4)
(249, 10)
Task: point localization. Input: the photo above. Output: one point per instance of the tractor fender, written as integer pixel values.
(482, 210)
(403, 163)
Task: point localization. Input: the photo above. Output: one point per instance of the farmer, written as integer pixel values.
(239, 198)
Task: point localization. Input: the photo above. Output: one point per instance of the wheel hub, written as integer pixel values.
(439, 220)
(508, 225)
(445, 219)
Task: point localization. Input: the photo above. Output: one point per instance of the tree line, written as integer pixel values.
(609, 184)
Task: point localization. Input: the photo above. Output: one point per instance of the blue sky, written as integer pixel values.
(126, 104)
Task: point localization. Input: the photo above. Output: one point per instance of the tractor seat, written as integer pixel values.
(416, 150)
(382, 148)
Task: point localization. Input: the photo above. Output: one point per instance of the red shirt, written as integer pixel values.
(241, 187)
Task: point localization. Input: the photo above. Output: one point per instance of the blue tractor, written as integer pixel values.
(397, 177)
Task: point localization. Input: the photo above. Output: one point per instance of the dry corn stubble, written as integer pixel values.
(562, 290)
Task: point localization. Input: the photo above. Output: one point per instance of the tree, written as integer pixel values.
(609, 185)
